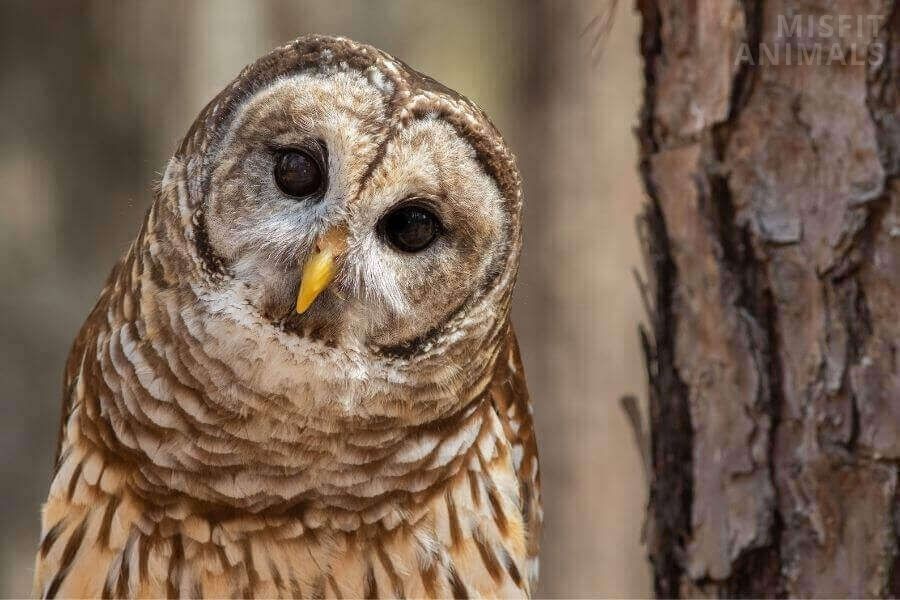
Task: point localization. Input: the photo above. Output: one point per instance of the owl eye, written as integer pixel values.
(410, 228)
(298, 173)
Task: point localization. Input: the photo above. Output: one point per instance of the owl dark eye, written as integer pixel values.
(410, 228)
(298, 173)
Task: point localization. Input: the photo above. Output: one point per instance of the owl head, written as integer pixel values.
(334, 195)
(352, 199)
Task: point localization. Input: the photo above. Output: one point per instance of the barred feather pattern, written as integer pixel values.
(187, 466)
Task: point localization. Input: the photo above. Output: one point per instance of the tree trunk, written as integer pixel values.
(770, 153)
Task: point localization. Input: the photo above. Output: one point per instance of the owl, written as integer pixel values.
(301, 379)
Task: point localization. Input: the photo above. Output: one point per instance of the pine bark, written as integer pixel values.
(772, 238)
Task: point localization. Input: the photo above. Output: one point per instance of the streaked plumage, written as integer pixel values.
(216, 443)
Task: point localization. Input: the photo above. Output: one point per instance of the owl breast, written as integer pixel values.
(467, 539)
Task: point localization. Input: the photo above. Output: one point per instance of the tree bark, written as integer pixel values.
(772, 238)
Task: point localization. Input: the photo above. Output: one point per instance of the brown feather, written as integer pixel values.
(212, 444)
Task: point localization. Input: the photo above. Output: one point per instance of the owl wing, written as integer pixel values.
(85, 343)
(509, 395)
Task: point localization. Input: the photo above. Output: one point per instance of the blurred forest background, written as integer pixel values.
(95, 96)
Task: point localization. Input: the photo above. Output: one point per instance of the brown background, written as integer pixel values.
(95, 96)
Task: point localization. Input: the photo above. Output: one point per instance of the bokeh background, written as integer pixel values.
(95, 96)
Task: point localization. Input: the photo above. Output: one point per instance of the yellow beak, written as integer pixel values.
(320, 267)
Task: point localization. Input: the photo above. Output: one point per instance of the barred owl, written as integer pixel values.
(301, 379)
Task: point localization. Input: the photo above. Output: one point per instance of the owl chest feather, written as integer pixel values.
(464, 538)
